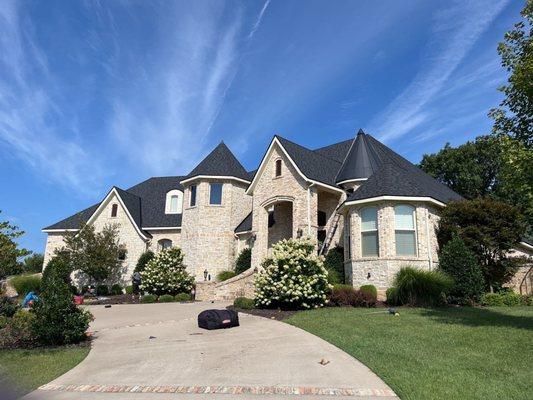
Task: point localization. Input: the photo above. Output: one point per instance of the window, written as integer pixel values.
(215, 193)
(114, 210)
(164, 244)
(174, 202)
(193, 196)
(278, 167)
(321, 218)
(369, 232)
(404, 217)
(122, 253)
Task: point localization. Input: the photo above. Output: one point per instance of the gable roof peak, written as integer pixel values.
(360, 132)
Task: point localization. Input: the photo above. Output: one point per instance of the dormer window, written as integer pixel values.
(114, 210)
(278, 168)
(174, 202)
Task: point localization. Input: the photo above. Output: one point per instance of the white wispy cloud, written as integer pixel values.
(28, 132)
(455, 30)
(258, 21)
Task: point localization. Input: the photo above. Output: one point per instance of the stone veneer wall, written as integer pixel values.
(157, 235)
(207, 235)
(289, 186)
(54, 241)
(241, 285)
(380, 271)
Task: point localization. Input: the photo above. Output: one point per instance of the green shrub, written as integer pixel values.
(102, 290)
(166, 298)
(58, 268)
(116, 290)
(244, 303)
(459, 262)
(24, 284)
(225, 275)
(244, 261)
(512, 299)
(3, 321)
(183, 297)
(8, 307)
(370, 289)
(19, 331)
(129, 289)
(148, 298)
(293, 277)
(527, 300)
(492, 299)
(334, 264)
(392, 297)
(144, 258)
(509, 299)
(166, 274)
(57, 319)
(34, 263)
(421, 288)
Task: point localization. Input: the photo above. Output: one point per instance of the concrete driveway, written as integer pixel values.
(156, 351)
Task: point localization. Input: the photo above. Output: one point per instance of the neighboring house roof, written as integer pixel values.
(220, 162)
(245, 225)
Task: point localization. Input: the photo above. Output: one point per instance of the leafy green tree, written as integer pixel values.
(514, 117)
(458, 261)
(97, 255)
(334, 263)
(34, 263)
(490, 229)
(9, 250)
(471, 169)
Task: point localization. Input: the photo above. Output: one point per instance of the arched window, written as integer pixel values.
(405, 232)
(164, 244)
(174, 202)
(369, 232)
(114, 210)
(278, 167)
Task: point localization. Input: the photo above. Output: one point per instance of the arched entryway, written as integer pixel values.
(280, 224)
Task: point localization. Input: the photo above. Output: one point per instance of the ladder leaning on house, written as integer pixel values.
(331, 233)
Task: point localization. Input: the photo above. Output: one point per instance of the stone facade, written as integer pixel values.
(207, 235)
(54, 241)
(241, 285)
(173, 235)
(379, 271)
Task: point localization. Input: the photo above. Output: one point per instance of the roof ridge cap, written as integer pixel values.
(308, 149)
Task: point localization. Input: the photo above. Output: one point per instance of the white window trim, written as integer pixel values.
(168, 201)
(195, 196)
(112, 205)
(415, 230)
(221, 193)
(395, 198)
(369, 230)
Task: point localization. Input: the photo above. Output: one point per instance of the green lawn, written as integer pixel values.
(29, 369)
(452, 353)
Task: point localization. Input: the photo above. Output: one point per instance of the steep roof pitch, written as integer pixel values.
(220, 162)
(312, 164)
(361, 161)
(74, 221)
(245, 225)
(335, 151)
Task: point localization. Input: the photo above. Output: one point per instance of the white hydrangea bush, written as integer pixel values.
(166, 274)
(293, 277)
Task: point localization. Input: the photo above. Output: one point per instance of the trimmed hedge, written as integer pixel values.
(506, 299)
(244, 302)
(148, 298)
(24, 284)
(183, 297)
(166, 298)
(370, 289)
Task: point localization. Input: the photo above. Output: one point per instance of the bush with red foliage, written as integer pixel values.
(346, 295)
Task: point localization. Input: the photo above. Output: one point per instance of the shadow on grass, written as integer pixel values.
(471, 316)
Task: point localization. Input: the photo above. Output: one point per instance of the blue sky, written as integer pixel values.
(95, 94)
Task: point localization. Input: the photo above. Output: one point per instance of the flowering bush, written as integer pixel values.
(293, 277)
(166, 274)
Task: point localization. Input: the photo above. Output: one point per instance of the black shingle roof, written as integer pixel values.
(220, 162)
(245, 225)
(313, 165)
(362, 160)
(336, 151)
(74, 221)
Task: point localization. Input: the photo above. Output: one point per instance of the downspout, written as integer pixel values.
(428, 240)
(309, 209)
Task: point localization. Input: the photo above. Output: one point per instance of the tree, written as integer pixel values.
(458, 261)
(166, 274)
(57, 319)
(334, 264)
(471, 169)
(514, 117)
(490, 229)
(34, 263)
(97, 255)
(144, 258)
(244, 260)
(9, 250)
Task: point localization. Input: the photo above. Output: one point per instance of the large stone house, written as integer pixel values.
(358, 194)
